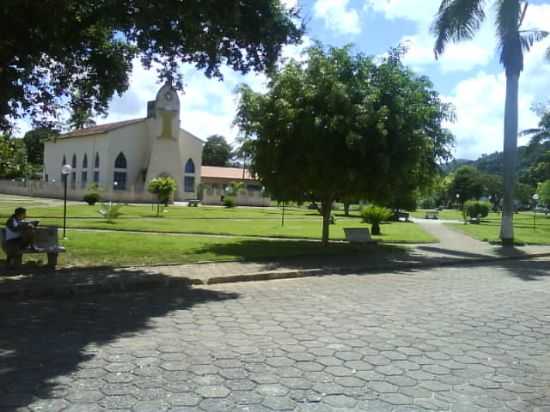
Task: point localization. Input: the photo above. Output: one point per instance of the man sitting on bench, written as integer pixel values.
(19, 232)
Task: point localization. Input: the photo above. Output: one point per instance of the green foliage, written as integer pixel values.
(544, 193)
(34, 143)
(234, 188)
(523, 193)
(375, 215)
(13, 159)
(216, 151)
(81, 57)
(467, 182)
(163, 187)
(110, 211)
(474, 209)
(340, 125)
(229, 202)
(92, 198)
(428, 203)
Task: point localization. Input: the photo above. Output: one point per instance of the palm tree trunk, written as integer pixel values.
(510, 156)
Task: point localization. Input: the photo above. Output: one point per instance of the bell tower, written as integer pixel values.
(164, 132)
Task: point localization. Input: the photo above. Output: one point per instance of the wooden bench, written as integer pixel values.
(432, 215)
(398, 216)
(358, 235)
(45, 239)
(193, 202)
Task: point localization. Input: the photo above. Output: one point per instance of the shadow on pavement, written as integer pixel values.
(42, 342)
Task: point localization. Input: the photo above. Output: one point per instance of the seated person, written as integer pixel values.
(19, 232)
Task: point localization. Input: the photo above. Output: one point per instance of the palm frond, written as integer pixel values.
(457, 20)
(530, 37)
(508, 20)
(528, 132)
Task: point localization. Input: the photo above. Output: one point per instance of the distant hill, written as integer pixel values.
(493, 163)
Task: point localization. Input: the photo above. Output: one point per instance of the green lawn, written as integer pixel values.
(240, 221)
(524, 231)
(446, 214)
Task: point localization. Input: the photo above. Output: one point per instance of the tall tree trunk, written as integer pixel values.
(510, 156)
(346, 208)
(326, 208)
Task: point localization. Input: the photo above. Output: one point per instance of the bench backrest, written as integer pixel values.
(44, 237)
(357, 234)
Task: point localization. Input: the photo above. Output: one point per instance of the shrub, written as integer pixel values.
(474, 209)
(110, 211)
(229, 202)
(163, 187)
(93, 194)
(375, 215)
(91, 198)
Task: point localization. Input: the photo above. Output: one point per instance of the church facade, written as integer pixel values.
(122, 157)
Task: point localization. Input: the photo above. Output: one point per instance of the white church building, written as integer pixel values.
(122, 157)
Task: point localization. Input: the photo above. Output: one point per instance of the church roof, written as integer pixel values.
(103, 128)
(234, 173)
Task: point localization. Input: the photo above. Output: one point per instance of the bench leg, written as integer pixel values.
(14, 261)
(52, 260)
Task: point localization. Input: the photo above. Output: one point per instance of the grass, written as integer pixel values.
(167, 239)
(258, 222)
(524, 231)
(121, 249)
(446, 214)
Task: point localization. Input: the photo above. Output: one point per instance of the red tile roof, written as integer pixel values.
(234, 173)
(103, 128)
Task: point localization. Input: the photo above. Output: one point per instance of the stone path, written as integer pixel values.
(451, 339)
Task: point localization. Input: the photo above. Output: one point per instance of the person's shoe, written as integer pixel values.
(34, 248)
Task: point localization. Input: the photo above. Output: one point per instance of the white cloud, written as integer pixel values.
(337, 16)
(290, 4)
(463, 56)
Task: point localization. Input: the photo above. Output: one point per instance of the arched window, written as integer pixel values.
(190, 167)
(189, 177)
(64, 161)
(84, 174)
(120, 162)
(96, 167)
(120, 176)
(73, 163)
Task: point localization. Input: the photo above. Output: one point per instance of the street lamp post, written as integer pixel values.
(65, 171)
(535, 202)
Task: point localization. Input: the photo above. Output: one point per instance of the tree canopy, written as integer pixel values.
(13, 159)
(342, 125)
(216, 151)
(34, 144)
(77, 54)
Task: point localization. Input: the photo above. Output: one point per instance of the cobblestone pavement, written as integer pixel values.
(459, 339)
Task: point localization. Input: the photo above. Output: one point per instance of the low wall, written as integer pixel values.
(244, 198)
(37, 188)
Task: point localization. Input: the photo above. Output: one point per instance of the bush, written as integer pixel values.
(110, 211)
(474, 209)
(375, 215)
(229, 202)
(91, 198)
(163, 187)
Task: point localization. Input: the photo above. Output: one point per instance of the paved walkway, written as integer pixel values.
(446, 339)
(454, 248)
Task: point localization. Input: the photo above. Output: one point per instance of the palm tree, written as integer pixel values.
(539, 134)
(459, 20)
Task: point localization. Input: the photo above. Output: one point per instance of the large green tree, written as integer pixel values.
(34, 143)
(459, 20)
(76, 54)
(541, 133)
(342, 125)
(216, 151)
(467, 183)
(13, 159)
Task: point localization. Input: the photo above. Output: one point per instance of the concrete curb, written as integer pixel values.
(343, 270)
(154, 281)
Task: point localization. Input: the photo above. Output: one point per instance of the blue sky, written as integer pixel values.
(468, 75)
